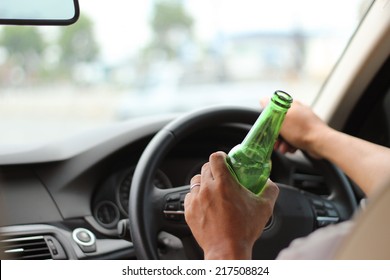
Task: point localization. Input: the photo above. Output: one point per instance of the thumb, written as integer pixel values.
(270, 191)
(264, 101)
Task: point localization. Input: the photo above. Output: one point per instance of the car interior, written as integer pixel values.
(117, 191)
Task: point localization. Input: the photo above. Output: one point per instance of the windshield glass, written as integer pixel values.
(127, 59)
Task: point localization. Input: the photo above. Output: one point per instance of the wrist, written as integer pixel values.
(318, 141)
(229, 252)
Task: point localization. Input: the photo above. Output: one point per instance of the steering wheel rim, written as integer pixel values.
(146, 202)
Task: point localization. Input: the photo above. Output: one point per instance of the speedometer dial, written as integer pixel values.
(161, 181)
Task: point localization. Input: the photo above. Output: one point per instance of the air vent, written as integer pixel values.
(312, 183)
(25, 248)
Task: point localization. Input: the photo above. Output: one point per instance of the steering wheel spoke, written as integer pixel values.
(169, 207)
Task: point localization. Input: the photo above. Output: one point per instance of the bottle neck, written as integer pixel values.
(265, 131)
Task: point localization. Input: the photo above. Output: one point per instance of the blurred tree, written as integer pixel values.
(24, 47)
(22, 40)
(78, 43)
(171, 25)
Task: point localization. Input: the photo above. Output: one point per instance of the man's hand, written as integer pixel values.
(301, 129)
(225, 218)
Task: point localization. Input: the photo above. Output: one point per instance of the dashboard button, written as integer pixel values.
(173, 197)
(83, 236)
(332, 213)
(172, 206)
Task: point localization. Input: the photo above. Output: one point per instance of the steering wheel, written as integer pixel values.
(296, 212)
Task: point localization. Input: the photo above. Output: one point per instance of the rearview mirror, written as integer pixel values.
(39, 12)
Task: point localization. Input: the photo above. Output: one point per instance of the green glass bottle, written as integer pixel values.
(250, 161)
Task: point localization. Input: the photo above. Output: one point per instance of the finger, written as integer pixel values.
(218, 165)
(187, 203)
(206, 174)
(270, 191)
(289, 148)
(195, 179)
(277, 144)
(285, 147)
(195, 188)
(195, 184)
(264, 102)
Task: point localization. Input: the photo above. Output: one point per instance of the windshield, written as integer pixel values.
(128, 59)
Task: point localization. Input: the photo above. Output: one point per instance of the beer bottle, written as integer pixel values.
(250, 161)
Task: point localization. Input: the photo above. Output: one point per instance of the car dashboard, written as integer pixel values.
(65, 200)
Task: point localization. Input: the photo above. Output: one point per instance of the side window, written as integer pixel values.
(386, 108)
(376, 127)
(370, 120)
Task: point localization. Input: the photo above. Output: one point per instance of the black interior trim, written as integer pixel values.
(374, 93)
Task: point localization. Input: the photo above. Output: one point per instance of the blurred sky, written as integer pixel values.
(122, 27)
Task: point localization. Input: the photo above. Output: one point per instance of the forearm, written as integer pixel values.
(367, 164)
